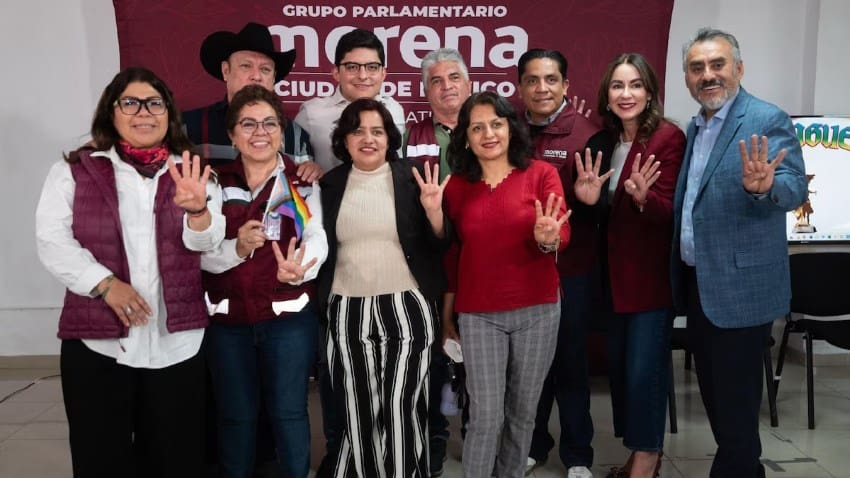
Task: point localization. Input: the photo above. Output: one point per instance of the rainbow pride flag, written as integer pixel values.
(286, 200)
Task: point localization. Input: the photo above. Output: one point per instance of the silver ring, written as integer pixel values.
(128, 310)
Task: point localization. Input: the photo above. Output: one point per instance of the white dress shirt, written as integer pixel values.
(319, 117)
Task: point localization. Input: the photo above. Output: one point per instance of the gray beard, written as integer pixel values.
(719, 102)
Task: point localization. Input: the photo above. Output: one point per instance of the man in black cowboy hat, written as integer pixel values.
(240, 59)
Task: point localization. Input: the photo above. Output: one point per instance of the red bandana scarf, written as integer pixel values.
(146, 161)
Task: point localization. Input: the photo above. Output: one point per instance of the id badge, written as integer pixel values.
(271, 226)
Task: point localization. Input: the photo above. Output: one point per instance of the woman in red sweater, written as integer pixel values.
(510, 221)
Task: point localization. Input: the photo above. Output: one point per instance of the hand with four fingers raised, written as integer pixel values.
(588, 184)
(642, 178)
(431, 196)
(547, 225)
(758, 173)
(190, 192)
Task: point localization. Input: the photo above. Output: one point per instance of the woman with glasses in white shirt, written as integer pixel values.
(121, 226)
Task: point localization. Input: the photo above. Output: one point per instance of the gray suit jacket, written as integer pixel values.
(740, 242)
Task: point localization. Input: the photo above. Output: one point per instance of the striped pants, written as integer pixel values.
(379, 352)
(507, 356)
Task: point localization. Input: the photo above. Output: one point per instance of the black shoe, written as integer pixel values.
(326, 468)
(437, 466)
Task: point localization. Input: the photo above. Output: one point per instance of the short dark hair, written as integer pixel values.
(358, 38)
(538, 53)
(461, 158)
(250, 95)
(103, 132)
(349, 121)
(650, 117)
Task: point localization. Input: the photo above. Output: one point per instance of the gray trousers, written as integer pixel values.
(507, 355)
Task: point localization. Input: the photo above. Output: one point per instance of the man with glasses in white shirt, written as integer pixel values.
(359, 69)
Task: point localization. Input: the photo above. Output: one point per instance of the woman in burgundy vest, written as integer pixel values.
(263, 332)
(122, 227)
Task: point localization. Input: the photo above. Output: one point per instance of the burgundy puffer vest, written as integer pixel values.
(97, 227)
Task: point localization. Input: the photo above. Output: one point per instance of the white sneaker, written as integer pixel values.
(579, 472)
(530, 464)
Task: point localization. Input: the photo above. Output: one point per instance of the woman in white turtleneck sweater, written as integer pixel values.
(378, 288)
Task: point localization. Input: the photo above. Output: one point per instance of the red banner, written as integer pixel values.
(166, 36)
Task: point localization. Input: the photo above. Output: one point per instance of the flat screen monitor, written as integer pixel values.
(825, 216)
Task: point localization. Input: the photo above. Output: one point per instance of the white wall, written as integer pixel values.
(58, 56)
(832, 67)
(777, 38)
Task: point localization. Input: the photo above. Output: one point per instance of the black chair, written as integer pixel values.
(818, 289)
(679, 341)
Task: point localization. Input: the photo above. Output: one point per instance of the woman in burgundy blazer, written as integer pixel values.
(642, 153)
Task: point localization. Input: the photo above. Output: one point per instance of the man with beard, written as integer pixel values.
(743, 170)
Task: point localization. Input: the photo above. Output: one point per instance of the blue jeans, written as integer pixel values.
(272, 357)
(639, 361)
(567, 381)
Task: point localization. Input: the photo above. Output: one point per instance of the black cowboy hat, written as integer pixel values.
(218, 47)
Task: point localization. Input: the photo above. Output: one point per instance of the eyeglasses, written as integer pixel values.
(250, 125)
(130, 105)
(352, 67)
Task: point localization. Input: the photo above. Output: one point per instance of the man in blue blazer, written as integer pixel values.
(743, 170)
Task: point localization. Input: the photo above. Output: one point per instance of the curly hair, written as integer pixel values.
(463, 160)
(650, 117)
(103, 132)
(349, 121)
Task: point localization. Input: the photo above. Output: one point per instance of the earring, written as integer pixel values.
(467, 145)
(648, 103)
(607, 107)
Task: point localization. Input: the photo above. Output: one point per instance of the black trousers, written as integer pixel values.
(730, 372)
(133, 422)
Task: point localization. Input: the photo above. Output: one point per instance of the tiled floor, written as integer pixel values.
(33, 431)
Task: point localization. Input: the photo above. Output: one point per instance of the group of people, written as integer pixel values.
(345, 236)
